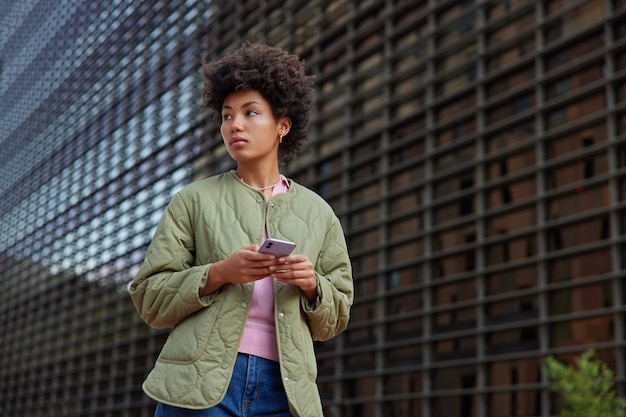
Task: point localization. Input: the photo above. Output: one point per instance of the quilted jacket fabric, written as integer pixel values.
(206, 222)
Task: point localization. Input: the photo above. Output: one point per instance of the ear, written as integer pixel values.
(284, 125)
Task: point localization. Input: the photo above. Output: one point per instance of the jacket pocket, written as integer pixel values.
(188, 340)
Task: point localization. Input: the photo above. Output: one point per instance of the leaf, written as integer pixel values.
(586, 389)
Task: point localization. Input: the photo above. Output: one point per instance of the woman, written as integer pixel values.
(245, 321)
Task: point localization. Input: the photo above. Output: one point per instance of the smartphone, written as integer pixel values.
(277, 247)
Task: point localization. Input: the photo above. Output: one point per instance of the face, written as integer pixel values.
(250, 131)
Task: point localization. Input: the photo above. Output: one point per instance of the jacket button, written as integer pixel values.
(259, 200)
(224, 365)
(281, 315)
(244, 305)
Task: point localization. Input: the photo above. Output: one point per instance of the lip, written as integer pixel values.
(236, 140)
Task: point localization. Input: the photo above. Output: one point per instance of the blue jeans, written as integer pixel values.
(256, 389)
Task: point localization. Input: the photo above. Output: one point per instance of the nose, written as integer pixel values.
(235, 124)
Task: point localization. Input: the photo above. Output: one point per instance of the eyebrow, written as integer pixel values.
(249, 103)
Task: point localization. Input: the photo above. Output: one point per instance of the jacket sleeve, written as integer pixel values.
(328, 316)
(166, 288)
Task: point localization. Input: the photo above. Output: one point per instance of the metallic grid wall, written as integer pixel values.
(474, 150)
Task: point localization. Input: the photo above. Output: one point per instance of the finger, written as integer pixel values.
(302, 282)
(293, 274)
(305, 267)
(258, 256)
(260, 268)
(257, 274)
(295, 258)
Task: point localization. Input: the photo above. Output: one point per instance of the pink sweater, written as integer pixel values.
(259, 335)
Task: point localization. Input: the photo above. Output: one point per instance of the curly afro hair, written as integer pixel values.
(278, 76)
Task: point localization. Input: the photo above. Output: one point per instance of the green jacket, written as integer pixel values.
(206, 222)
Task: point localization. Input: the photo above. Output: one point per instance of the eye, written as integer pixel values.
(251, 113)
(226, 116)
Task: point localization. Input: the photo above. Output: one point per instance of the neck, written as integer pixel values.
(259, 180)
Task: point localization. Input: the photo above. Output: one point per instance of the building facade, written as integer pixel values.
(474, 150)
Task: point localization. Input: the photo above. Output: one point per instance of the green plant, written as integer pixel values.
(586, 389)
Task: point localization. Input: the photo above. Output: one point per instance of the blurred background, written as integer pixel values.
(474, 150)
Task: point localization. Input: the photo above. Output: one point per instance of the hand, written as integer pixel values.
(244, 265)
(299, 271)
